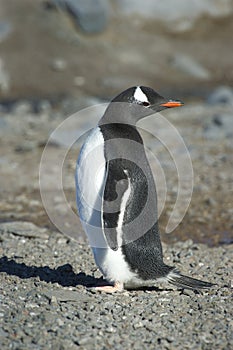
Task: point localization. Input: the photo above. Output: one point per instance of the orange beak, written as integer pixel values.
(171, 104)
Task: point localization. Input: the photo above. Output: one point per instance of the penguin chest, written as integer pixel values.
(90, 174)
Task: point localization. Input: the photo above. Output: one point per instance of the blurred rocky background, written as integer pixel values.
(60, 48)
(58, 56)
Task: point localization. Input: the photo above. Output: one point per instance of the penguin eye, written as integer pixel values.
(145, 104)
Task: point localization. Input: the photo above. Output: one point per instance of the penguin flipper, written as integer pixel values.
(116, 184)
(182, 281)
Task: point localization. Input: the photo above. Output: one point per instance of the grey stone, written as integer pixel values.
(26, 146)
(22, 107)
(221, 127)
(85, 340)
(23, 228)
(66, 296)
(79, 81)
(4, 78)
(90, 15)
(5, 30)
(3, 124)
(3, 333)
(43, 106)
(223, 95)
(210, 202)
(189, 66)
(59, 65)
(31, 305)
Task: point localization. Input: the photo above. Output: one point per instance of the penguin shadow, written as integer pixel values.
(63, 275)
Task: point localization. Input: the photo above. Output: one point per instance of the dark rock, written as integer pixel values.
(217, 120)
(90, 15)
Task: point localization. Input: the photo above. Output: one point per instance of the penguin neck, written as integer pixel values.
(119, 124)
(121, 113)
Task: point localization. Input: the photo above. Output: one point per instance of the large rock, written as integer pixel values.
(180, 14)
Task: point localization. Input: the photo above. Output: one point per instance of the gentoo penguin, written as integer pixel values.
(116, 196)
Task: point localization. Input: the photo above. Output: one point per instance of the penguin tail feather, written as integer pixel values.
(182, 281)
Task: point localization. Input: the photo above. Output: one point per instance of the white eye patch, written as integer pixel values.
(140, 96)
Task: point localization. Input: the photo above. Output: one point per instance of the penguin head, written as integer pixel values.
(140, 102)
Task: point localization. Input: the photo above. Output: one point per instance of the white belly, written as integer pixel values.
(90, 179)
(113, 265)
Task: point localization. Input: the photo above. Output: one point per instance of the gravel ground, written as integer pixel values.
(45, 302)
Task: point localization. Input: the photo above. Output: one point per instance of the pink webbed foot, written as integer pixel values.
(118, 287)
